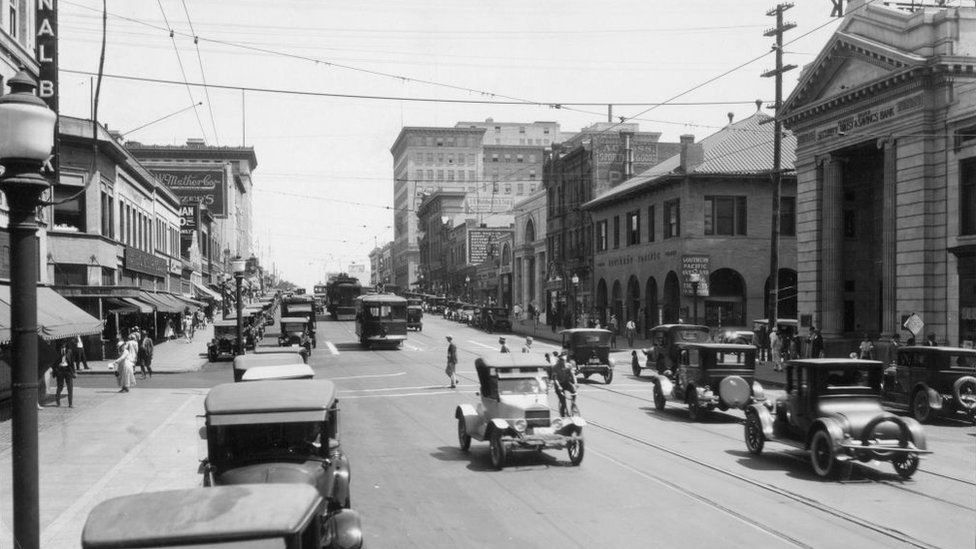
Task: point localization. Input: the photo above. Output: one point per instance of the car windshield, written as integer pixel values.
(241, 443)
(591, 338)
(839, 379)
(695, 336)
(521, 386)
(293, 327)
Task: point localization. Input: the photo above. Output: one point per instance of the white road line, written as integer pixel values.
(332, 348)
(365, 376)
(445, 392)
(481, 344)
(346, 391)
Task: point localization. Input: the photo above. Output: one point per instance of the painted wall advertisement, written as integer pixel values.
(204, 187)
(481, 242)
(697, 264)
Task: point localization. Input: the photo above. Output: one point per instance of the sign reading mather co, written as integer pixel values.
(204, 187)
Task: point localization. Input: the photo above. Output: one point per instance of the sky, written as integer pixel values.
(321, 88)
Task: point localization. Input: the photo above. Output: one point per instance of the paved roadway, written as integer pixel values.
(648, 477)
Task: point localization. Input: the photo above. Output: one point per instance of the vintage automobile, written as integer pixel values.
(381, 320)
(243, 363)
(296, 333)
(415, 317)
(514, 412)
(665, 339)
(224, 339)
(832, 408)
(737, 335)
(710, 376)
(302, 352)
(494, 319)
(280, 431)
(931, 381)
(278, 371)
(466, 313)
(589, 351)
(226, 516)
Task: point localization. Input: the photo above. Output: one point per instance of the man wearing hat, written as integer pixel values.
(528, 345)
(451, 361)
(504, 349)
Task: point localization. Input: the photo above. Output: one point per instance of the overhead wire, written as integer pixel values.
(203, 74)
(179, 60)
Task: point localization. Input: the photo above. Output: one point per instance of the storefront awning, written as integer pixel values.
(162, 305)
(113, 305)
(206, 292)
(193, 303)
(57, 318)
(141, 306)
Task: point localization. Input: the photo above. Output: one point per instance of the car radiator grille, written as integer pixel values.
(537, 418)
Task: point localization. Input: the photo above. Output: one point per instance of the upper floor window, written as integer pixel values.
(672, 218)
(601, 236)
(967, 204)
(616, 231)
(787, 216)
(725, 215)
(650, 223)
(633, 228)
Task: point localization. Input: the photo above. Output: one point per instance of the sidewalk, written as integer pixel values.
(169, 357)
(764, 370)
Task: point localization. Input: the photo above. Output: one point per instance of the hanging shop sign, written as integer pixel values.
(206, 188)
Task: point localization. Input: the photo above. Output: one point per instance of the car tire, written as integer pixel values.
(964, 391)
(695, 411)
(659, 400)
(464, 439)
(497, 450)
(212, 355)
(905, 465)
(755, 438)
(822, 455)
(575, 449)
(608, 377)
(921, 409)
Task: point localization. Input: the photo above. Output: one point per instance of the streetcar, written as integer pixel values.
(340, 297)
(381, 320)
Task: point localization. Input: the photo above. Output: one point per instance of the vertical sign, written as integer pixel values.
(189, 227)
(46, 34)
(695, 264)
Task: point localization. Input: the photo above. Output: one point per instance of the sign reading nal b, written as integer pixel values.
(204, 187)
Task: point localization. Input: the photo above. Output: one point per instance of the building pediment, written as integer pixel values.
(848, 68)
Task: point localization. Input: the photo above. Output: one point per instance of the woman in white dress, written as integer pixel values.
(125, 364)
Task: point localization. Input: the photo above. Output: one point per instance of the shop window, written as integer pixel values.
(672, 218)
(633, 228)
(967, 204)
(725, 215)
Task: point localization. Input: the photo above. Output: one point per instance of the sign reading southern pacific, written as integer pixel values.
(204, 187)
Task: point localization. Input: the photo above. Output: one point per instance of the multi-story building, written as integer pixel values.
(591, 162)
(700, 218)
(885, 119)
(438, 214)
(493, 163)
(529, 250)
(218, 180)
(381, 265)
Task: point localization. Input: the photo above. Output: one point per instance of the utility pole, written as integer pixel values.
(776, 174)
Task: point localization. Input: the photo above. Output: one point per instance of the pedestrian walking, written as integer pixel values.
(125, 364)
(64, 372)
(527, 348)
(517, 310)
(451, 361)
(612, 325)
(79, 354)
(504, 349)
(795, 347)
(866, 348)
(169, 333)
(816, 343)
(631, 330)
(776, 350)
(146, 355)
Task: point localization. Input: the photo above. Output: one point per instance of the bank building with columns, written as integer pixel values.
(885, 122)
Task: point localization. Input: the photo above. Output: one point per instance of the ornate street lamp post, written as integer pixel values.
(26, 140)
(695, 281)
(467, 292)
(238, 265)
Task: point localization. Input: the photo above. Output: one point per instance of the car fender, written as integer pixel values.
(471, 418)
(343, 530)
(612, 363)
(667, 386)
(916, 430)
(765, 418)
(498, 424)
(935, 399)
(833, 429)
(341, 476)
(574, 427)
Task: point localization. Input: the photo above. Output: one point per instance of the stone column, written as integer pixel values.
(831, 245)
(889, 272)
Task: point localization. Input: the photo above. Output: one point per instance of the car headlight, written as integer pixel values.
(520, 425)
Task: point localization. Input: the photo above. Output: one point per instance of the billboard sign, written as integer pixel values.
(204, 187)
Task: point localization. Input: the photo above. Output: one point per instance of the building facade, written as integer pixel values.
(590, 163)
(529, 252)
(700, 220)
(885, 119)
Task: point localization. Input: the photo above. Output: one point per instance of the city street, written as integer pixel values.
(647, 476)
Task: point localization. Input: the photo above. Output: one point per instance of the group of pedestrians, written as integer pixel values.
(136, 350)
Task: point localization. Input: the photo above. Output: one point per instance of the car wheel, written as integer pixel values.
(964, 390)
(608, 377)
(497, 450)
(921, 409)
(575, 449)
(213, 356)
(464, 439)
(659, 400)
(695, 411)
(905, 465)
(755, 438)
(822, 454)
(635, 369)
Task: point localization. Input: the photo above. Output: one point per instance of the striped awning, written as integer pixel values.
(206, 292)
(57, 318)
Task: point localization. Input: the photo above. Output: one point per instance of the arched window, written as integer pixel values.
(529, 232)
(506, 254)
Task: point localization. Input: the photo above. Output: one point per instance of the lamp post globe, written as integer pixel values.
(238, 265)
(27, 129)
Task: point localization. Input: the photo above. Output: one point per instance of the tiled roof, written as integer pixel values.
(742, 148)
